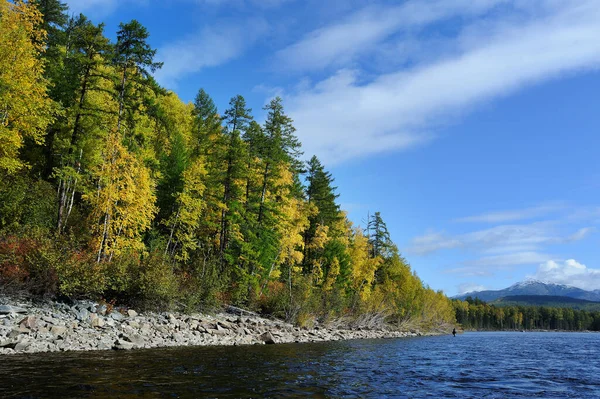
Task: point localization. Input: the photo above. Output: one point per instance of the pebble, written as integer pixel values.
(53, 326)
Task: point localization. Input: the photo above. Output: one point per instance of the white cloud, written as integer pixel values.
(341, 42)
(210, 47)
(513, 215)
(344, 117)
(569, 272)
(470, 287)
(510, 259)
(433, 242)
(513, 238)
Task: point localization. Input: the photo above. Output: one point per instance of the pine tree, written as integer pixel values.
(86, 65)
(236, 119)
(378, 235)
(134, 60)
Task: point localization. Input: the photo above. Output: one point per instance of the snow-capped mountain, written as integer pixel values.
(534, 287)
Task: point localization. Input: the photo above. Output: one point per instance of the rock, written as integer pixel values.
(134, 324)
(116, 316)
(134, 338)
(121, 344)
(101, 309)
(98, 322)
(15, 332)
(132, 313)
(83, 315)
(103, 345)
(11, 343)
(267, 338)
(22, 345)
(7, 309)
(29, 322)
(59, 331)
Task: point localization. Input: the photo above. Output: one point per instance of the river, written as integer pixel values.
(470, 365)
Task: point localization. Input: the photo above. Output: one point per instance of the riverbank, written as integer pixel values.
(31, 327)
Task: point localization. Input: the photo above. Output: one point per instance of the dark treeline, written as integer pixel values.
(112, 187)
(476, 314)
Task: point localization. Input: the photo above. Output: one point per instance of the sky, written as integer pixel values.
(471, 125)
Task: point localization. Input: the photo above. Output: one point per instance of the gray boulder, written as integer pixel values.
(8, 309)
(267, 338)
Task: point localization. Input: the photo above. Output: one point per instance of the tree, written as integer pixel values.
(122, 205)
(134, 59)
(85, 64)
(236, 119)
(321, 194)
(280, 146)
(379, 237)
(25, 108)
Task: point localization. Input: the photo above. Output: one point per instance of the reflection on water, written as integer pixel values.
(475, 365)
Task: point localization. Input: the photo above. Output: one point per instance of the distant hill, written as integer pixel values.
(534, 288)
(548, 301)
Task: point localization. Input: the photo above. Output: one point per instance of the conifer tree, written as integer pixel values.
(134, 60)
(236, 119)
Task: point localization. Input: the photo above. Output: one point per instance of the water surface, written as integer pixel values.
(472, 365)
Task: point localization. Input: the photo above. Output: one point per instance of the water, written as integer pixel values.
(472, 365)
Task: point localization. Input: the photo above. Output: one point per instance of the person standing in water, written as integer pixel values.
(454, 332)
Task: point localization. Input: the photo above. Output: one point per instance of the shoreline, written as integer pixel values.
(36, 327)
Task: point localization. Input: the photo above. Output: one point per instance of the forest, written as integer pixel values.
(479, 315)
(113, 188)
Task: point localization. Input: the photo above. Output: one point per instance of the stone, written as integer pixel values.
(102, 309)
(121, 344)
(59, 331)
(15, 332)
(29, 322)
(104, 345)
(116, 316)
(134, 324)
(22, 345)
(132, 313)
(134, 338)
(83, 315)
(267, 338)
(8, 309)
(98, 322)
(11, 343)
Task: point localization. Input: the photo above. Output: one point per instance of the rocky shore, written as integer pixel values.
(28, 327)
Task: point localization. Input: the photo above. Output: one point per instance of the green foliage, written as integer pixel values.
(479, 315)
(25, 201)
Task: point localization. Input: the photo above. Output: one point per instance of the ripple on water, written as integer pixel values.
(472, 365)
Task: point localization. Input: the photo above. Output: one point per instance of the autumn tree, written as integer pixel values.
(25, 108)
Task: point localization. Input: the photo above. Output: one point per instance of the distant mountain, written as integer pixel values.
(534, 287)
(548, 301)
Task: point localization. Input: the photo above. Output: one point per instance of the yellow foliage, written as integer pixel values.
(122, 206)
(25, 108)
(184, 223)
(332, 275)
(363, 267)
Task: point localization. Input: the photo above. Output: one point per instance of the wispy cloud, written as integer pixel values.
(350, 114)
(569, 272)
(513, 215)
(515, 238)
(341, 42)
(470, 287)
(209, 47)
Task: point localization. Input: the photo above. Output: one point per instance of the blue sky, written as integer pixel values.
(471, 125)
